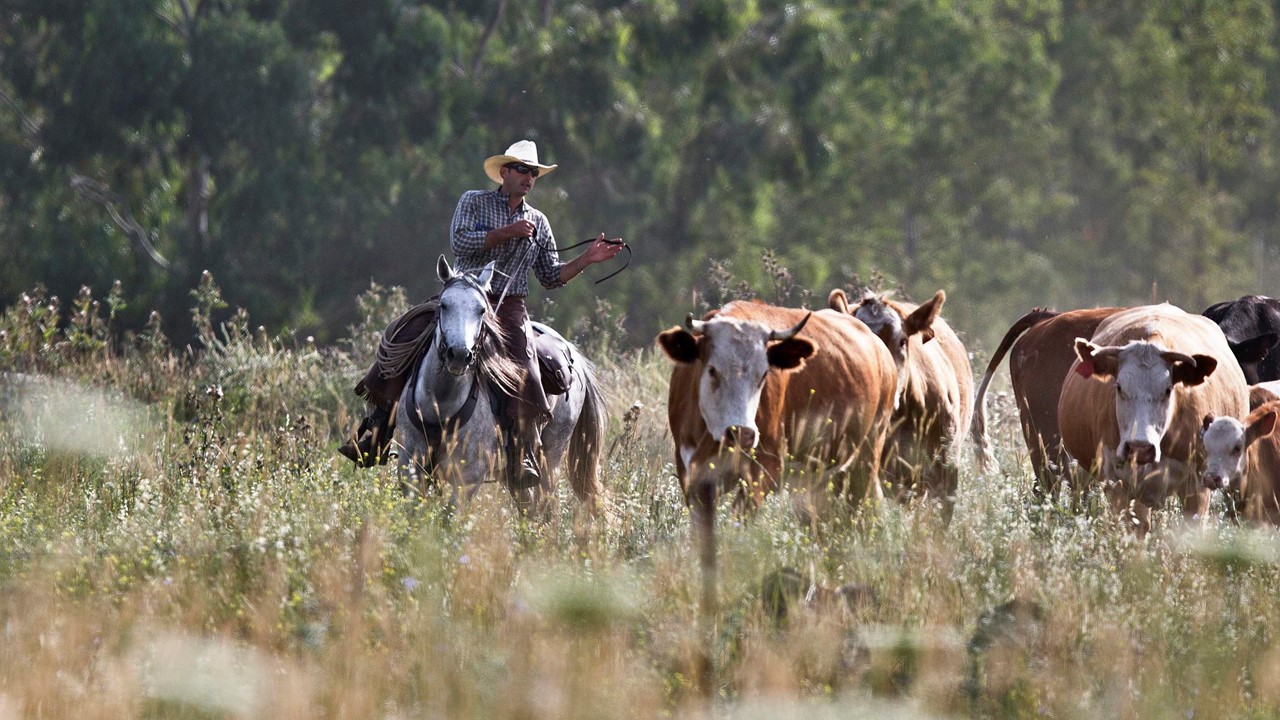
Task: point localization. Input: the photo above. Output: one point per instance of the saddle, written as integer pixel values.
(555, 360)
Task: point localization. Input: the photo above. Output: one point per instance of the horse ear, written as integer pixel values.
(486, 275)
(443, 271)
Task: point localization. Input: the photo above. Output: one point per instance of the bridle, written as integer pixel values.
(473, 353)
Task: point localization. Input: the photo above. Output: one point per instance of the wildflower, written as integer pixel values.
(410, 583)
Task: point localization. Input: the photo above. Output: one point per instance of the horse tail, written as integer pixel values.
(978, 428)
(587, 441)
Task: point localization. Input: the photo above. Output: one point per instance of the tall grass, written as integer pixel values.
(178, 539)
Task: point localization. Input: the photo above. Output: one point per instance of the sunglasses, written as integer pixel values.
(524, 169)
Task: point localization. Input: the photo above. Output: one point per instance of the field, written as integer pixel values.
(178, 539)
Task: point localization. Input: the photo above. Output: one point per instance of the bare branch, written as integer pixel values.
(29, 127)
(94, 191)
(487, 35)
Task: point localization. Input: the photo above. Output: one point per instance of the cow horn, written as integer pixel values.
(695, 326)
(788, 334)
(1173, 357)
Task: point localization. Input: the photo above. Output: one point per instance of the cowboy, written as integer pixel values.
(488, 225)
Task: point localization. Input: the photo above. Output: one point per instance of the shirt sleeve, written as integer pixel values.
(467, 231)
(547, 265)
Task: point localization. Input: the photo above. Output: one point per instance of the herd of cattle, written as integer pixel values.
(1145, 402)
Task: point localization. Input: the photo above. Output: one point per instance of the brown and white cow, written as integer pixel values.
(1038, 366)
(1242, 458)
(1132, 405)
(747, 391)
(935, 391)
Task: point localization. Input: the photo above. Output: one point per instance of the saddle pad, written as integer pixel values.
(556, 363)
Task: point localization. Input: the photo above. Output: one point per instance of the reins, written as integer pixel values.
(533, 240)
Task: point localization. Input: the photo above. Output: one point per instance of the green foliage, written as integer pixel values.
(1015, 153)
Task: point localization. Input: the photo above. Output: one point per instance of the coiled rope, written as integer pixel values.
(394, 357)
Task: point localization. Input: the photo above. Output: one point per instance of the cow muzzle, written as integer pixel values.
(740, 436)
(1138, 452)
(1213, 481)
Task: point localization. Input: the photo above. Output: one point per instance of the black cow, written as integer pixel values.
(1252, 327)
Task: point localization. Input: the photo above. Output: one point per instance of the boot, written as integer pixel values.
(529, 473)
(368, 446)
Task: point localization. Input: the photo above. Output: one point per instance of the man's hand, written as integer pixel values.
(517, 229)
(602, 250)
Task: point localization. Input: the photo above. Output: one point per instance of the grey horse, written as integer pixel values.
(448, 418)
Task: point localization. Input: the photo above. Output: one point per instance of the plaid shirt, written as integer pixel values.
(480, 211)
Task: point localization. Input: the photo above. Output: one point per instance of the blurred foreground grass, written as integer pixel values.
(178, 539)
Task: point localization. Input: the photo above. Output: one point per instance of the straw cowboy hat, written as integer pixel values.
(524, 151)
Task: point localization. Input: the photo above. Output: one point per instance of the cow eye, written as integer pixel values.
(1167, 392)
(712, 372)
(1237, 450)
(1119, 390)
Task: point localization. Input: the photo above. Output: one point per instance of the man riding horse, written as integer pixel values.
(488, 225)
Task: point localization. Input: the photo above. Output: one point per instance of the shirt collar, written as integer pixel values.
(505, 199)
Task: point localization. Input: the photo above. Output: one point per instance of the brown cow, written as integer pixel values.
(1242, 458)
(1132, 404)
(745, 394)
(739, 383)
(935, 391)
(1038, 366)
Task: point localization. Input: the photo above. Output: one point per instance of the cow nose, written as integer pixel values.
(740, 436)
(1140, 452)
(1213, 481)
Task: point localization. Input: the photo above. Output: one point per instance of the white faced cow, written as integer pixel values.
(1133, 403)
(747, 391)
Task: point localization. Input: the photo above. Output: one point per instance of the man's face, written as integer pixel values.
(518, 178)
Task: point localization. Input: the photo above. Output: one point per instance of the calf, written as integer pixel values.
(1132, 406)
(934, 403)
(1242, 458)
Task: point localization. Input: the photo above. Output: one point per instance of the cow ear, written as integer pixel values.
(838, 301)
(1260, 423)
(1254, 350)
(1194, 372)
(679, 344)
(1204, 424)
(791, 353)
(1085, 350)
(920, 321)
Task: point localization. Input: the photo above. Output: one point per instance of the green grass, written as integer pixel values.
(178, 539)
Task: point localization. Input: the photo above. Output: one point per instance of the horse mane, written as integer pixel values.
(491, 362)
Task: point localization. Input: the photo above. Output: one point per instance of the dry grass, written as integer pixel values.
(177, 539)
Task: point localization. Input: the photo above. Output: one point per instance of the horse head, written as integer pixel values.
(464, 305)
